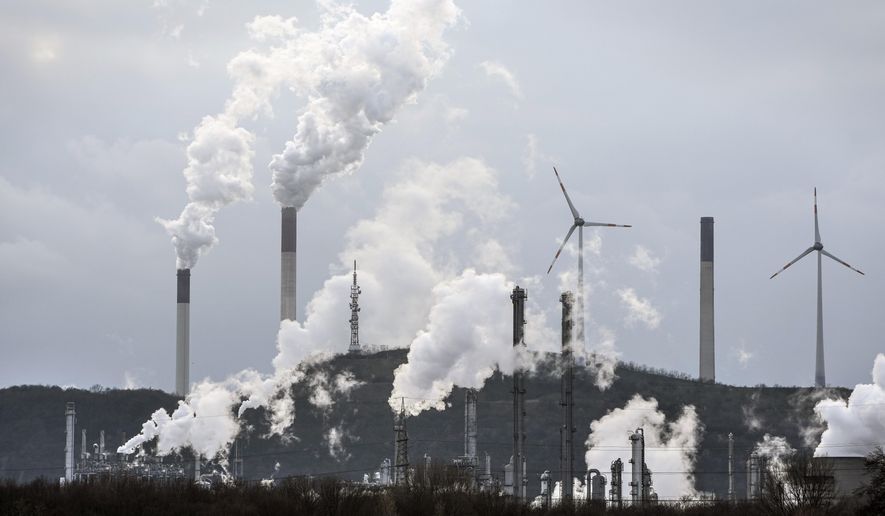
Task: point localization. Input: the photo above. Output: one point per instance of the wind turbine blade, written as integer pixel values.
(564, 241)
(840, 261)
(794, 261)
(816, 229)
(606, 224)
(567, 199)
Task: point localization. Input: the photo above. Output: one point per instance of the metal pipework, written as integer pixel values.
(617, 469)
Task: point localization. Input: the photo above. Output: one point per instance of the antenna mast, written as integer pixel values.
(354, 314)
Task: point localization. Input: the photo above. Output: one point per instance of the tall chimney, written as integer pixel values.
(70, 421)
(567, 430)
(707, 334)
(183, 334)
(287, 271)
(731, 467)
(518, 297)
(470, 426)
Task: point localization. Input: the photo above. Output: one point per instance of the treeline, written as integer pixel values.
(326, 497)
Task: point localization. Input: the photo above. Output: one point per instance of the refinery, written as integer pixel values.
(624, 482)
(411, 354)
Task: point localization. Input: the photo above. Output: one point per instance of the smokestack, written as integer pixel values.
(470, 425)
(83, 447)
(730, 467)
(707, 334)
(567, 430)
(101, 444)
(70, 421)
(518, 460)
(287, 271)
(183, 333)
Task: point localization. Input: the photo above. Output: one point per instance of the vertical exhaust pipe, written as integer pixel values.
(567, 430)
(518, 297)
(70, 421)
(183, 333)
(707, 334)
(288, 244)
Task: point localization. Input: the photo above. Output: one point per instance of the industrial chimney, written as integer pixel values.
(518, 460)
(70, 421)
(567, 429)
(470, 426)
(287, 270)
(707, 334)
(183, 333)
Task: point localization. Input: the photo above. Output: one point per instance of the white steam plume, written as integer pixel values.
(356, 71)
(397, 254)
(670, 447)
(466, 339)
(855, 427)
(219, 172)
(776, 449)
(219, 158)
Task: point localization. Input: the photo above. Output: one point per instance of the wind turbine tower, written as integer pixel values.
(580, 224)
(819, 376)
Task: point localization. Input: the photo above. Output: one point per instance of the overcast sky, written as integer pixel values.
(655, 114)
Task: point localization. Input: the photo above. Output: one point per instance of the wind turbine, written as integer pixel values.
(819, 377)
(580, 224)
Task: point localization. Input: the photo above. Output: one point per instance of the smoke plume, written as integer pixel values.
(356, 71)
(776, 449)
(670, 447)
(398, 254)
(855, 427)
(466, 339)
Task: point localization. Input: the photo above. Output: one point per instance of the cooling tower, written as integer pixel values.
(707, 334)
(182, 333)
(287, 264)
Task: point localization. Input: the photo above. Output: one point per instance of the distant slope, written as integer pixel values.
(32, 422)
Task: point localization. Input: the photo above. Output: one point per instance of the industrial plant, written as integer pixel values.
(559, 481)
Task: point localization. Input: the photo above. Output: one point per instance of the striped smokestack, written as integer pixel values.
(287, 272)
(707, 334)
(182, 333)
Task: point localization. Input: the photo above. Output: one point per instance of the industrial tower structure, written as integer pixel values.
(288, 245)
(470, 426)
(354, 314)
(401, 443)
(707, 333)
(70, 423)
(519, 481)
(638, 483)
(731, 497)
(616, 491)
(567, 429)
(182, 333)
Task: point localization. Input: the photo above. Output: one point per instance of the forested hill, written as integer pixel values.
(32, 422)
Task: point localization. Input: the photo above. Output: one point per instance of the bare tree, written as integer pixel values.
(802, 482)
